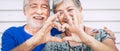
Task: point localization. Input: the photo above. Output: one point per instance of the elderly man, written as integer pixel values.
(33, 35)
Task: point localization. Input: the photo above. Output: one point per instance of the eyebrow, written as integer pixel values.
(45, 5)
(66, 8)
(58, 11)
(70, 7)
(33, 4)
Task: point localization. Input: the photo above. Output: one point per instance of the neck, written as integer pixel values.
(31, 30)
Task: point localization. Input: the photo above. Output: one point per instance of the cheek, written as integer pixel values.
(71, 14)
(60, 19)
(46, 12)
(30, 12)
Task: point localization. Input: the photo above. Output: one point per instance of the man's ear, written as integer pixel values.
(24, 10)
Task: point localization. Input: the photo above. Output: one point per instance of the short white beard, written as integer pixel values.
(34, 25)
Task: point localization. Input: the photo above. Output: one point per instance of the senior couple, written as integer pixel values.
(43, 33)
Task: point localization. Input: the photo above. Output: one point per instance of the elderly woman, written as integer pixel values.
(78, 37)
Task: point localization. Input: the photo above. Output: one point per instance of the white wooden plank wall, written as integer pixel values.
(97, 13)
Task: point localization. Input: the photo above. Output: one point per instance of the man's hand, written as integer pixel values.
(43, 35)
(108, 31)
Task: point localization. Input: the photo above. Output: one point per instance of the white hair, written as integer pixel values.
(57, 2)
(25, 2)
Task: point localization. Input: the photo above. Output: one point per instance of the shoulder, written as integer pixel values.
(9, 40)
(12, 30)
(101, 35)
(9, 30)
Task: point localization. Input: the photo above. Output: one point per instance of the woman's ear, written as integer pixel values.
(80, 9)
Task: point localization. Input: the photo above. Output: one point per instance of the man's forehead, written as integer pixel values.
(39, 0)
(45, 1)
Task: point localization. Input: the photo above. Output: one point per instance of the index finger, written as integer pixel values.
(53, 17)
(78, 17)
(69, 18)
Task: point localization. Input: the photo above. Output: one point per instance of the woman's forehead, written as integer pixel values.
(66, 4)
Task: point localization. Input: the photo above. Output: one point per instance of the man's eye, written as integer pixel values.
(44, 6)
(33, 6)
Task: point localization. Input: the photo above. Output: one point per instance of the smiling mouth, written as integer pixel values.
(65, 21)
(38, 17)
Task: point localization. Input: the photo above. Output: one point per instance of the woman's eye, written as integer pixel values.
(70, 10)
(59, 12)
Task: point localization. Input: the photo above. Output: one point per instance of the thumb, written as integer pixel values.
(68, 38)
(74, 39)
(56, 39)
(105, 27)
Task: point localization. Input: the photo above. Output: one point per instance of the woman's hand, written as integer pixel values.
(74, 25)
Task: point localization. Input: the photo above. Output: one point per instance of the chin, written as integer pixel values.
(35, 24)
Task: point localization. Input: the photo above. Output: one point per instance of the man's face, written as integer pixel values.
(37, 12)
(67, 6)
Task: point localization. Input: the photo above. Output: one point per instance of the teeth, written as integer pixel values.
(39, 18)
(65, 21)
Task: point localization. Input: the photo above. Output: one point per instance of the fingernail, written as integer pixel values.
(63, 29)
(66, 41)
(95, 30)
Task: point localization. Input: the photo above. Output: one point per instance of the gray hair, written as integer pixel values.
(57, 2)
(25, 2)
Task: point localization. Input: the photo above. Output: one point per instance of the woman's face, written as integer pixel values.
(66, 7)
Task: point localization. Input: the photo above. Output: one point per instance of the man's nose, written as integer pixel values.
(39, 11)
